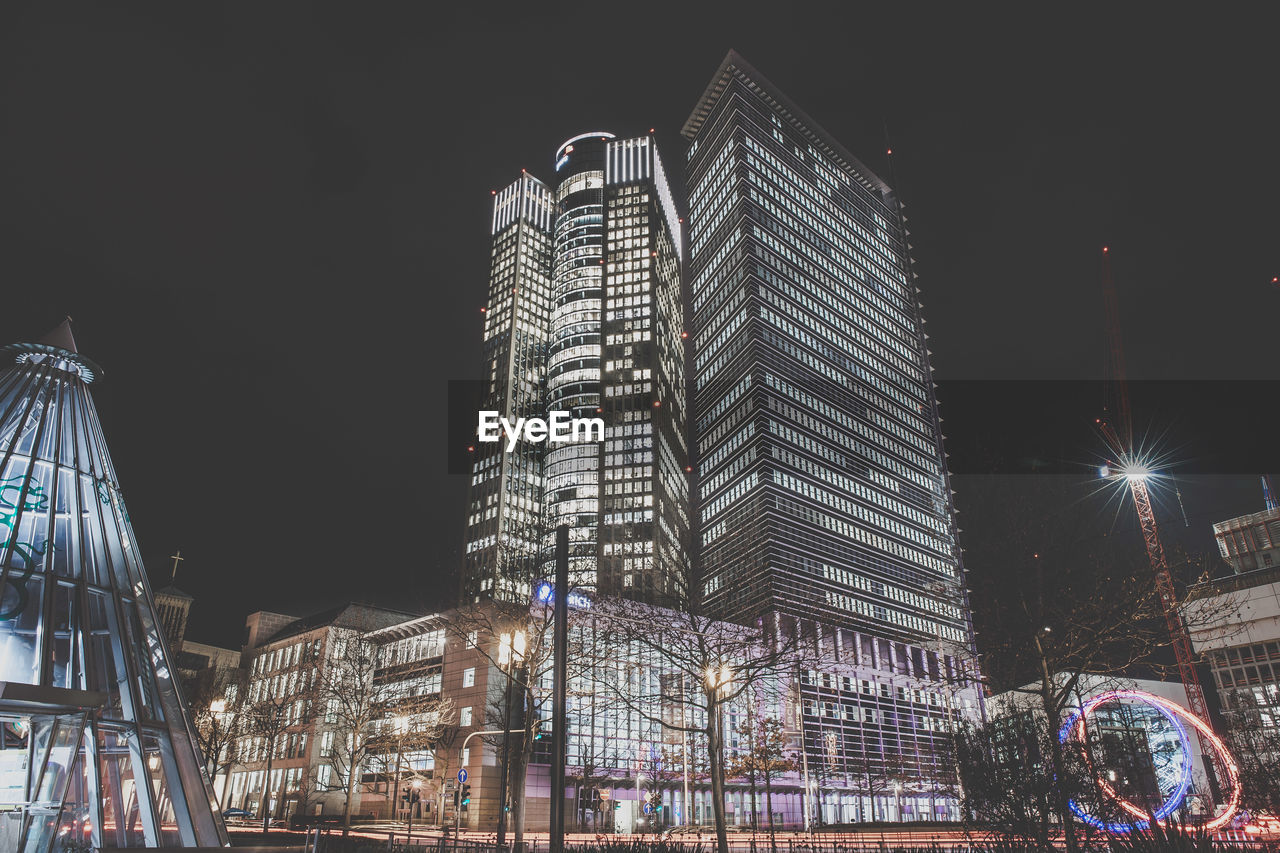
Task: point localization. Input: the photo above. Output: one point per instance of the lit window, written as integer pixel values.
(469, 677)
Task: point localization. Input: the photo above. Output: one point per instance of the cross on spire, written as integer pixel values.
(177, 558)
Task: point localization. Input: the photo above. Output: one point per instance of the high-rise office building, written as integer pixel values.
(505, 502)
(585, 316)
(824, 493)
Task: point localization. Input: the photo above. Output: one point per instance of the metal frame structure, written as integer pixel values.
(77, 619)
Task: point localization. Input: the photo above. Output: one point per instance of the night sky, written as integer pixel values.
(270, 224)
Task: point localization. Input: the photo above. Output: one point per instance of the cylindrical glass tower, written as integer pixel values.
(572, 470)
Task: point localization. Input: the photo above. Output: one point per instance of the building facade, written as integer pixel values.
(823, 489)
(585, 316)
(288, 759)
(504, 523)
(1236, 628)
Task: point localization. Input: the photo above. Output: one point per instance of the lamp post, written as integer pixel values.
(510, 654)
(401, 726)
(413, 801)
(635, 824)
(718, 681)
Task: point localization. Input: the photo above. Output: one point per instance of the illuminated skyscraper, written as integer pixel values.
(505, 511)
(824, 490)
(95, 744)
(599, 282)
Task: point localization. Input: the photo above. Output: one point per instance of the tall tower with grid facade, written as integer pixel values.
(604, 315)
(824, 494)
(504, 520)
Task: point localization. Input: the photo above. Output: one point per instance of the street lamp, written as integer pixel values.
(511, 652)
(413, 801)
(400, 724)
(718, 680)
(897, 796)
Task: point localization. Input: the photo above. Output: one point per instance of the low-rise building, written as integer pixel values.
(285, 755)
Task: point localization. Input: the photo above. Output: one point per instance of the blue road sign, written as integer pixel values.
(462, 775)
(648, 808)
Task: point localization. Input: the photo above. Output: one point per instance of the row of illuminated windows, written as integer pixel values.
(808, 443)
(699, 289)
(726, 198)
(736, 297)
(711, 185)
(872, 313)
(853, 487)
(639, 457)
(628, 517)
(724, 402)
(842, 527)
(714, 459)
(722, 428)
(851, 367)
(875, 520)
(813, 209)
(881, 613)
(853, 580)
(857, 426)
(817, 448)
(710, 349)
(835, 313)
(731, 470)
(818, 266)
(847, 439)
(705, 375)
(739, 489)
(283, 657)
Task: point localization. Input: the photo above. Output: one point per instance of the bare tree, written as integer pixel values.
(216, 698)
(677, 659)
(1070, 601)
(268, 719)
(1253, 734)
(406, 728)
(349, 699)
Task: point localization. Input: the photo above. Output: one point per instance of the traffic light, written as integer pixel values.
(466, 793)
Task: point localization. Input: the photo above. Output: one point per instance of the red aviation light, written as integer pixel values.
(890, 151)
(471, 448)
(684, 335)
(1105, 249)
(688, 469)
(657, 403)
(483, 310)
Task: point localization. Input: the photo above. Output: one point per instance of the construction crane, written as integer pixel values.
(1116, 425)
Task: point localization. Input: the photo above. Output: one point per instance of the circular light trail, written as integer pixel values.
(1175, 713)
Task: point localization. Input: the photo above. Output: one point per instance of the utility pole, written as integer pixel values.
(560, 689)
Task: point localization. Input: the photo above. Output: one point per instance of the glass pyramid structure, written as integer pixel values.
(96, 747)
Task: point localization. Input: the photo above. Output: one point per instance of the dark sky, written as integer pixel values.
(269, 222)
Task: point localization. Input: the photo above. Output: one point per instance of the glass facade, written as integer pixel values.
(586, 316)
(823, 491)
(97, 745)
(505, 509)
